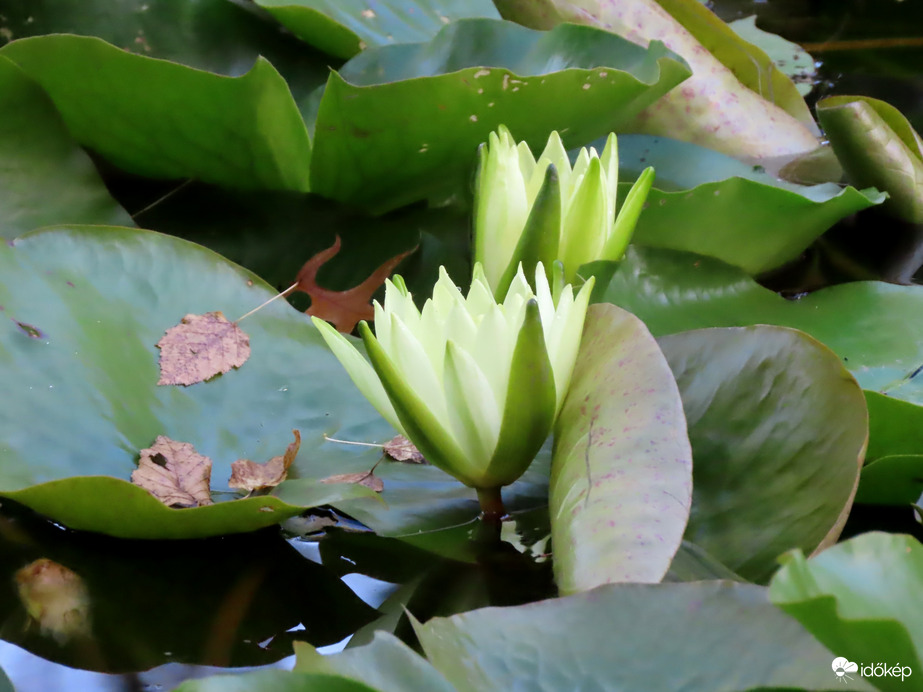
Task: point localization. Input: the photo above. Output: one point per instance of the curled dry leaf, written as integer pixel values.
(250, 475)
(200, 347)
(400, 448)
(366, 478)
(174, 473)
(343, 309)
(55, 598)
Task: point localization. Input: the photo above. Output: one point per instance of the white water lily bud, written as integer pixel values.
(532, 211)
(475, 384)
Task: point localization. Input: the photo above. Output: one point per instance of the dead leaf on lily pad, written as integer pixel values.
(174, 473)
(366, 478)
(200, 347)
(250, 475)
(400, 448)
(55, 598)
(343, 309)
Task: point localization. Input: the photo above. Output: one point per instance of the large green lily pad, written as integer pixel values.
(709, 203)
(46, 177)
(82, 310)
(861, 599)
(621, 475)
(770, 412)
(164, 120)
(382, 131)
(703, 636)
(345, 27)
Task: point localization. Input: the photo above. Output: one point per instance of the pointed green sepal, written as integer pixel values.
(423, 428)
(530, 405)
(627, 218)
(540, 237)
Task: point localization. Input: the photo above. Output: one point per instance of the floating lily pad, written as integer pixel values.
(706, 202)
(45, 175)
(860, 598)
(791, 60)
(770, 410)
(164, 120)
(345, 27)
(382, 122)
(892, 480)
(621, 477)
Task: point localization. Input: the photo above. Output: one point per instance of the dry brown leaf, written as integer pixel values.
(366, 478)
(174, 473)
(250, 475)
(200, 347)
(400, 448)
(55, 598)
(343, 309)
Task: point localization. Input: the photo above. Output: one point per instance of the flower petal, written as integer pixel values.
(473, 412)
(360, 372)
(420, 424)
(586, 225)
(628, 215)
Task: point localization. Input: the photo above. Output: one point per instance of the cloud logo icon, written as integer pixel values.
(841, 666)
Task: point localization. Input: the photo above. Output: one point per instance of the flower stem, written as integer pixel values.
(492, 510)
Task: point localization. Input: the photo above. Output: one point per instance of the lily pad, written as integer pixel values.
(791, 60)
(214, 35)
(343, 28)
(46, 177)
(275, 680)
(877, 146)
(892, 480)
(621, 478)
(83, 309)
(860, 598)
(770, 411)
(871, 325)
(164, 120)
(702, 636)
(380, 135)
(711, 204)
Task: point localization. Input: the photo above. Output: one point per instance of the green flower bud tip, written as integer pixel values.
(509, 182)
(475, 384)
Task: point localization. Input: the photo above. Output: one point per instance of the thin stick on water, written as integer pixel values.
(275, 297)
(349, 442)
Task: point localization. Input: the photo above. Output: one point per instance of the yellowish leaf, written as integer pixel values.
(55, 598)
(400, 448)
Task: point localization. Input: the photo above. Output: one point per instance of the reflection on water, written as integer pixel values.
(89, 612)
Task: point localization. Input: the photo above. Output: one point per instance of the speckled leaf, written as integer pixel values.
(877, 146)
(45, 176)
(709, 636)
(770, 411)
(861, 599)
(712, 204)
(344, 27)
(380, 136)
(621, 471)
(163, 120)
(712, 108)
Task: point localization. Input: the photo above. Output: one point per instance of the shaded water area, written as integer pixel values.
(158, 612)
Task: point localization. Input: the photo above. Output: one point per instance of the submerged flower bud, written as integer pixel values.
(532, 211)
(475, 384)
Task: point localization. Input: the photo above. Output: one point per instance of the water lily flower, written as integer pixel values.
(540, 211)
(476, 385)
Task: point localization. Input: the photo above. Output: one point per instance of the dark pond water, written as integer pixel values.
(162, 612)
